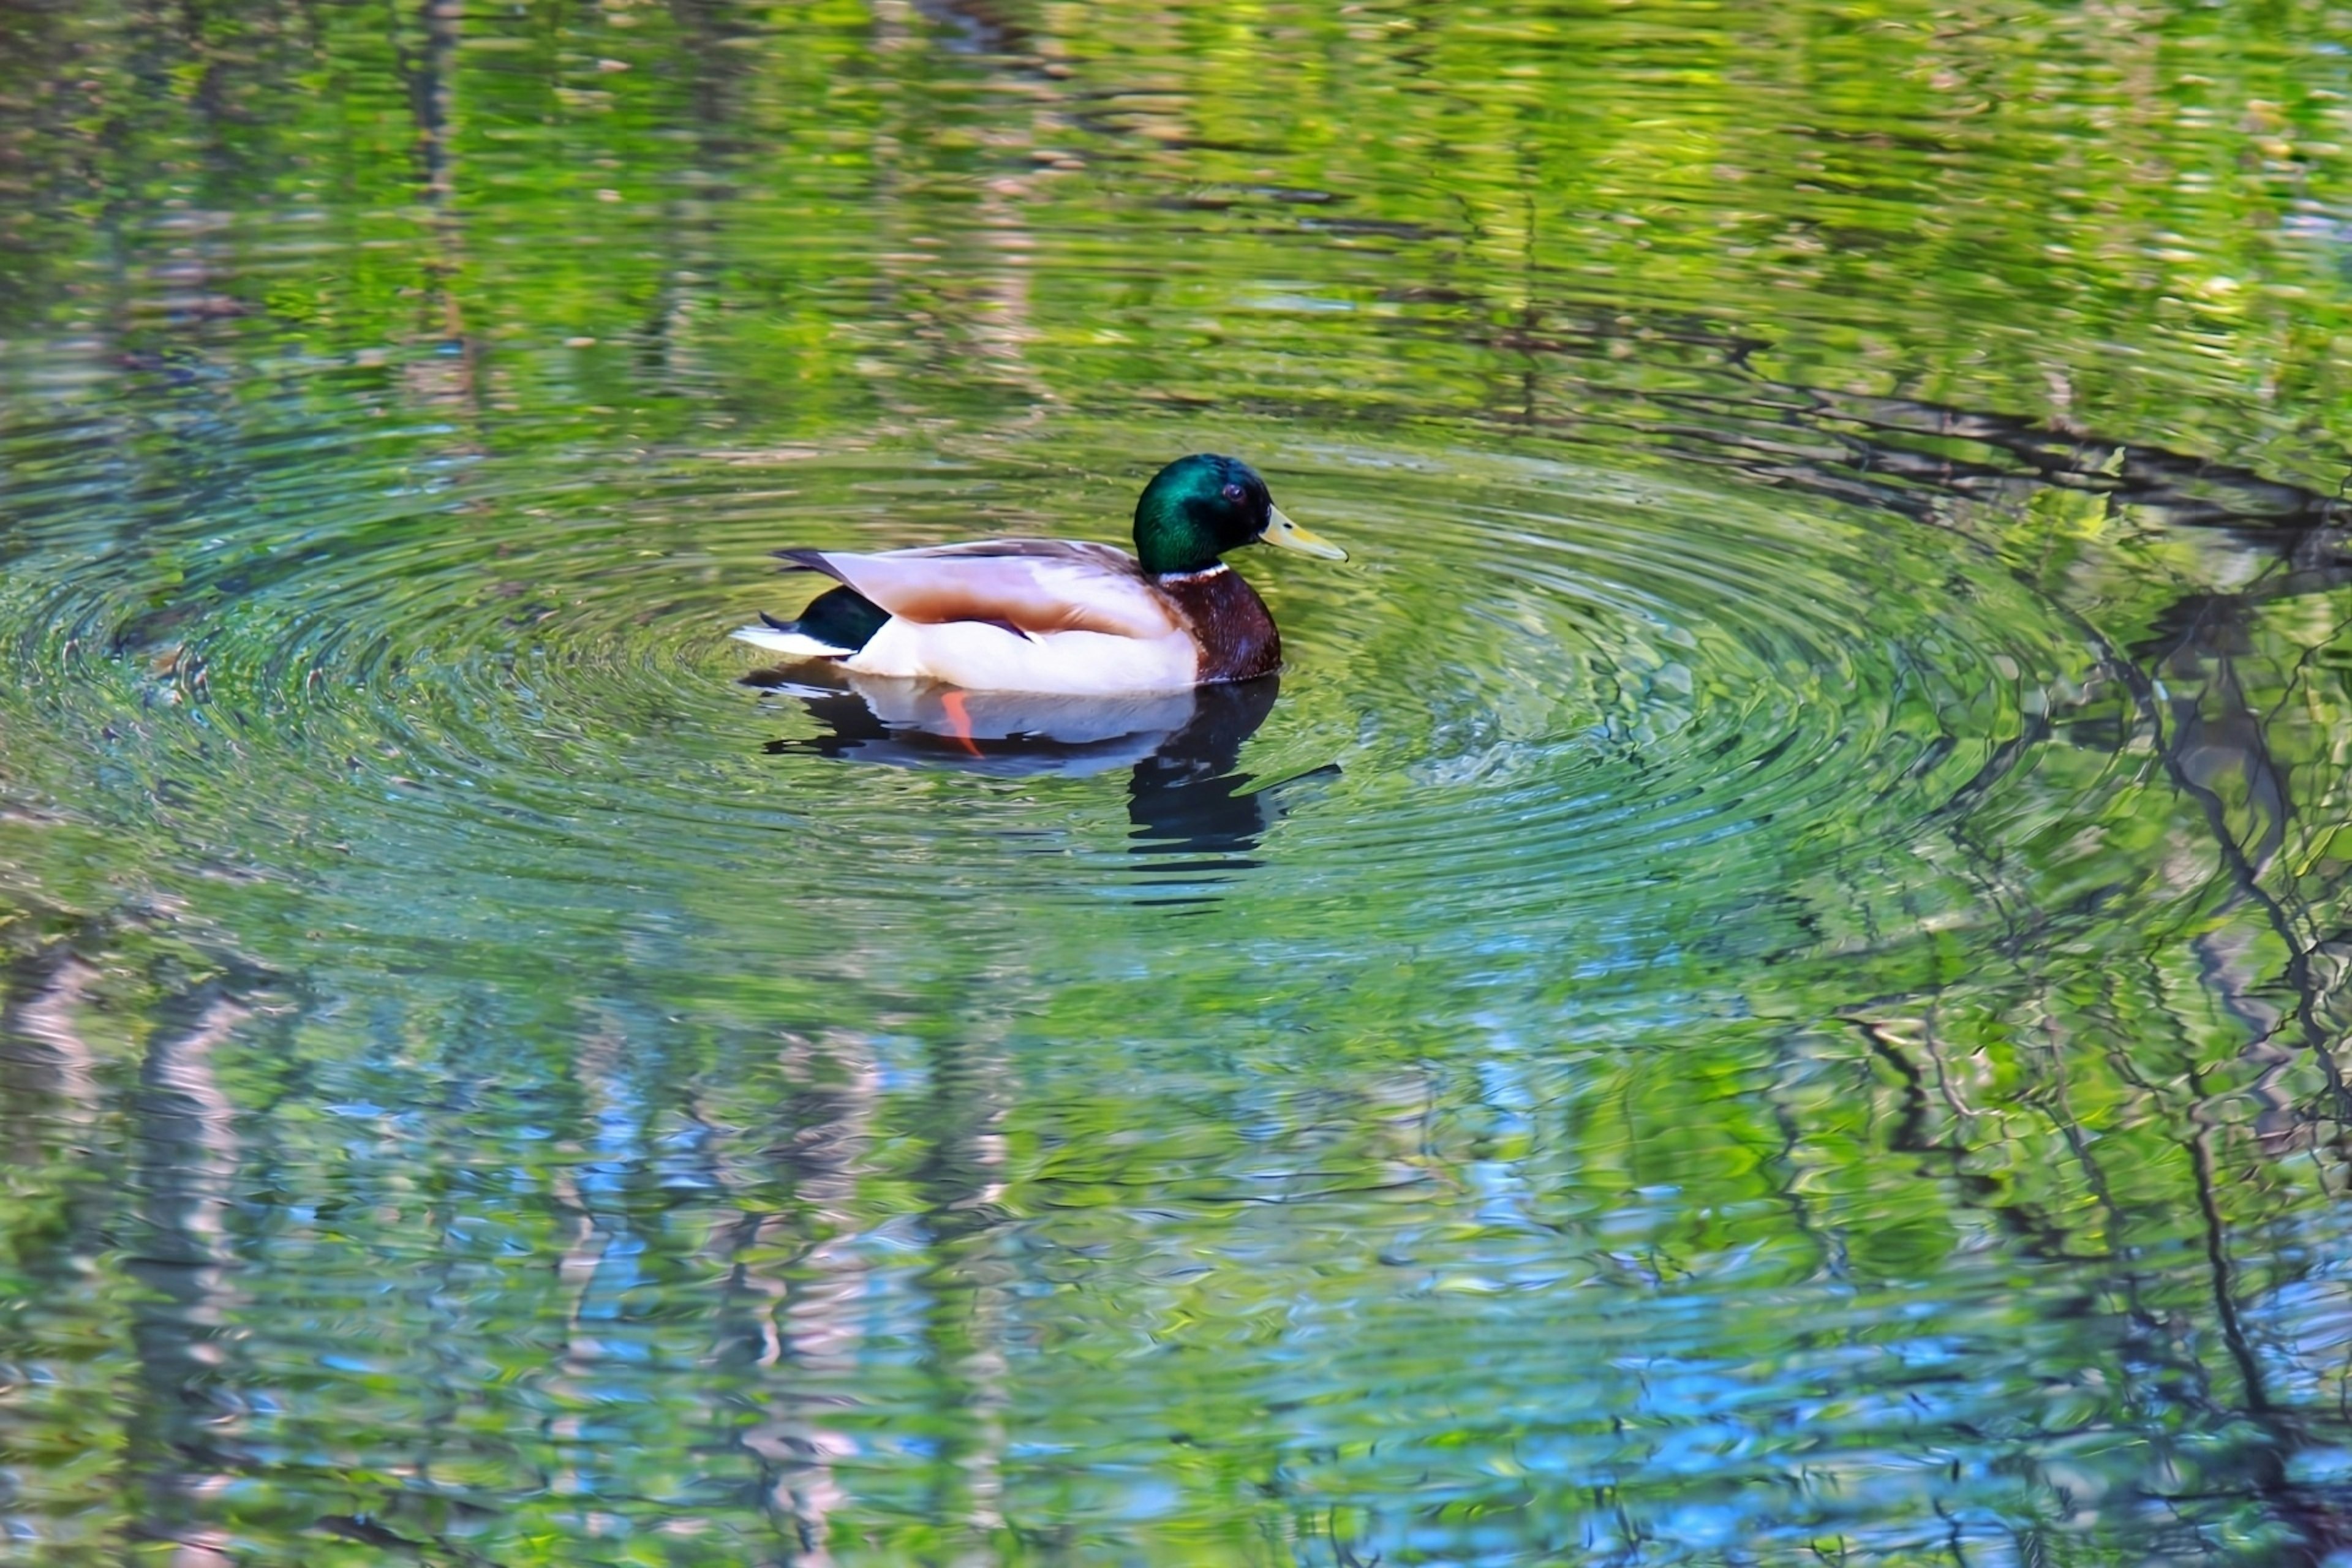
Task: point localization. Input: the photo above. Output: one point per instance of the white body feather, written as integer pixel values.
(985, 657)
(1028, 616)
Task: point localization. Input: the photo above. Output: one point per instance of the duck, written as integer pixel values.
(1057, 616)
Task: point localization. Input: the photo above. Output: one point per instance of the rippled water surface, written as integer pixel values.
(1765, 987)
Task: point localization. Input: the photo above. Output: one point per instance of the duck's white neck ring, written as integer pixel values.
(1214, 569)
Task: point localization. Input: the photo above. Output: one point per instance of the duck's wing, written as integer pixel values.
(1036, 586)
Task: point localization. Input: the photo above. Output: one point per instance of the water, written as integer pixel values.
(1765, 986)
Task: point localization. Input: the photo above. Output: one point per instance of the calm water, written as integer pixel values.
(1767, 988)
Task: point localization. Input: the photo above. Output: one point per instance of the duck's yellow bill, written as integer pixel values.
(1283, 532)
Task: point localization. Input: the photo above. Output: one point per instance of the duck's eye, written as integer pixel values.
(1233, 492)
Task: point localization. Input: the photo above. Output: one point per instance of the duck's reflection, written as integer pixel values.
(1185, 796)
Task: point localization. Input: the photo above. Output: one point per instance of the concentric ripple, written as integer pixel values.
(1543, 703)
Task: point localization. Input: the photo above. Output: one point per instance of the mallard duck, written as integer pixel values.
(1062, 616)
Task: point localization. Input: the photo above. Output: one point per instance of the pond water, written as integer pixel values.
(1765, 986)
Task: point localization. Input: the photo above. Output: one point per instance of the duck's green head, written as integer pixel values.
(1197, 508)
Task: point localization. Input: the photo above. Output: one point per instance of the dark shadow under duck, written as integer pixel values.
(1185, 796)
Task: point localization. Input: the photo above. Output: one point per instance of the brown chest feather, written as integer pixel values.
(1237, 638)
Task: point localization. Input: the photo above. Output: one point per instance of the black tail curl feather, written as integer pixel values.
(840, 618)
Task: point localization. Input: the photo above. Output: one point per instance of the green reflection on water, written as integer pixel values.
(1767, 994)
